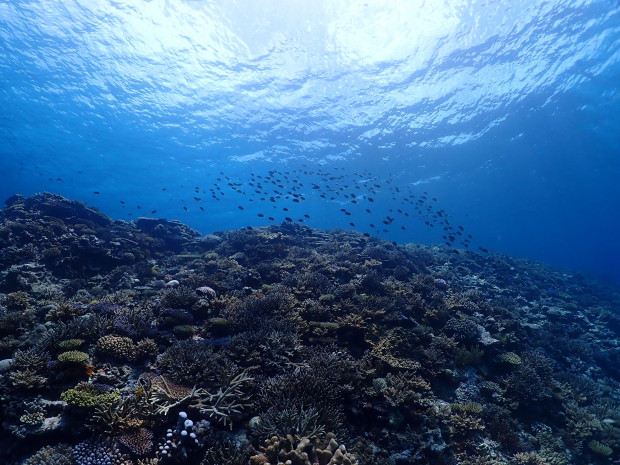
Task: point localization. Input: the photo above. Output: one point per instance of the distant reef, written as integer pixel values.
(146, 343)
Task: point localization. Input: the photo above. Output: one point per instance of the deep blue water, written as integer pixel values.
(506, 112)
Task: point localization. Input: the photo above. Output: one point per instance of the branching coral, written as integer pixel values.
(226, 401)
(73, 356)
(294, 420)
(59, 454)
(130, 412)
(119, 347)
(90, 395)
(194, 363)
(406, 390)
(165, 394)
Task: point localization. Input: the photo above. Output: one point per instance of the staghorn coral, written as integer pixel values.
(277, 304)
(294, 420)
(165, 394)
(179, 297)
(27, 379)
(193, 362)
(226, 401)
(530, 382)
(65, 311)
(130, 412)
(463, 424)
(270, 350)
(34, 359)
(405, 390)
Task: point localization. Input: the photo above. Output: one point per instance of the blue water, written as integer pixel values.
(507, 112)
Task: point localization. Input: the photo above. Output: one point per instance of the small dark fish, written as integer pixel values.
(290, 220)
(123, 202)
(185, 207)
(307, 216)
(240, 207)
(260, 215)
(370, 199)
(202, 208)
(197, 199)
(285, 209)
(97, 192)
(153, 211)
(271, 218)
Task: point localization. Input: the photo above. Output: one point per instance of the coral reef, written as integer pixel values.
(144, 343)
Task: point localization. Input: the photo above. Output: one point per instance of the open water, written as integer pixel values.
(497, 120)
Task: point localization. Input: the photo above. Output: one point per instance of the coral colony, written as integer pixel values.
(146, 343)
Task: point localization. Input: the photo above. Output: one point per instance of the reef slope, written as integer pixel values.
(147, 343)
